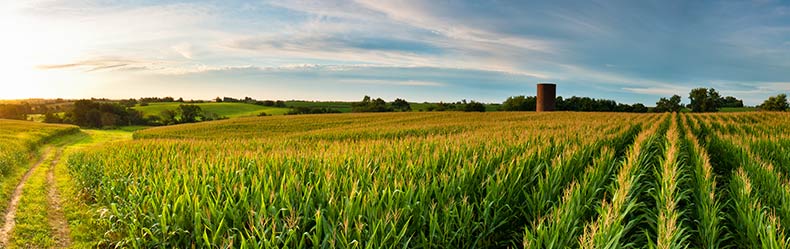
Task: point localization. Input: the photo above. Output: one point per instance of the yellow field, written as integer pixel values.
(445, 180)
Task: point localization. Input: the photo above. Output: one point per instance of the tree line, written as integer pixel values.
(94, 114)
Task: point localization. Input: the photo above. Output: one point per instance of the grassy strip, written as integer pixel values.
(32, 228)
(614, 216)
(86, 230)
(707, 208)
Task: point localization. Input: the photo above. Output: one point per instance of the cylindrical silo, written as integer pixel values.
(547, 93)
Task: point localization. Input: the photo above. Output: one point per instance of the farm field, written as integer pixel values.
(415, 180)
(231, 110)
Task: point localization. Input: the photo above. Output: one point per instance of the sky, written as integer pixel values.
(629, 51)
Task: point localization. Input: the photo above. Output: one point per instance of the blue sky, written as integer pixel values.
(630, 51)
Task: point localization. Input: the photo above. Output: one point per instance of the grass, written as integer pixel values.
(231, 110)
(32, 228)
(84, 218)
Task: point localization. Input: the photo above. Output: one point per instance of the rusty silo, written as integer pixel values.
(547, 93)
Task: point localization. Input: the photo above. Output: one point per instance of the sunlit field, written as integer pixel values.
(449, 180)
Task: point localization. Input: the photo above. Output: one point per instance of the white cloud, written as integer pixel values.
(184, 49)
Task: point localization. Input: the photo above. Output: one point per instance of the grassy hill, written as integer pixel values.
(231, 110)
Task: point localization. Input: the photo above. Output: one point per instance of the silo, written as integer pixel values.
(547, 93)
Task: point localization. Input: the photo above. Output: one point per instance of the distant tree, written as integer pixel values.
(14, 111)
(128, 102)
(401, 105)
(218, 100)
(370, 105)
(519, 103)
(639, 108)
(310, 110)
(279, 103)
(52, 118)
(180, 100)
(474, 107)
(189, 113)
(730, 101)
(168, 117)
(775, 103)
(704, 100)
(669, 105)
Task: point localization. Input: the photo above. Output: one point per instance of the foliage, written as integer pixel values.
(704, 100)
(473, 106)
(730, 102)
(92, 114)
(371, 105)
(776, 103)
(519, 103)
(669, 105)
(357, 180)
(310, 110)
(401, 105)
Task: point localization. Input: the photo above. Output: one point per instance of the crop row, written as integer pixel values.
(438, 180)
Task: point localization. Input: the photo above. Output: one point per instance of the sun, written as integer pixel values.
(30, 43)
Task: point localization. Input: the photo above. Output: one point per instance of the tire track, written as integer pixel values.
(57, 219)
(10, 214)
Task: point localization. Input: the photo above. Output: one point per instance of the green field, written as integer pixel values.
(231, 110)
(417, 180)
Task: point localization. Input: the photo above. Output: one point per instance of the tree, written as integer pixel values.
(639, 107)
(730, 101)
(669, 105)
(775, 103)
(474, 107)
(168, 117)
(704, 100)
(401, 105)
(370, 105)
(519, 103)
(189, 113)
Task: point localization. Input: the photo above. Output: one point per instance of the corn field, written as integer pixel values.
(19, 138)
(447, 180)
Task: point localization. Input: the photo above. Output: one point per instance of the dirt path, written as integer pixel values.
(57, 219)
(10, 215)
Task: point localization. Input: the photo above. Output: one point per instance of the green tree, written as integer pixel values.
(474, 107)
(775, 103)
(401, 105)
(189, 113)
(168, 117)
(669, 105)
(519, 103)
(370, 105)
(704, 100)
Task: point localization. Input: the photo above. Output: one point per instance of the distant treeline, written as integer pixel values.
(248, 100)
(20, 111)
(581, 104)
(93, 114)
(379, 105)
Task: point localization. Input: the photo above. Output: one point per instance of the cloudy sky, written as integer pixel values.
(630, 51)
